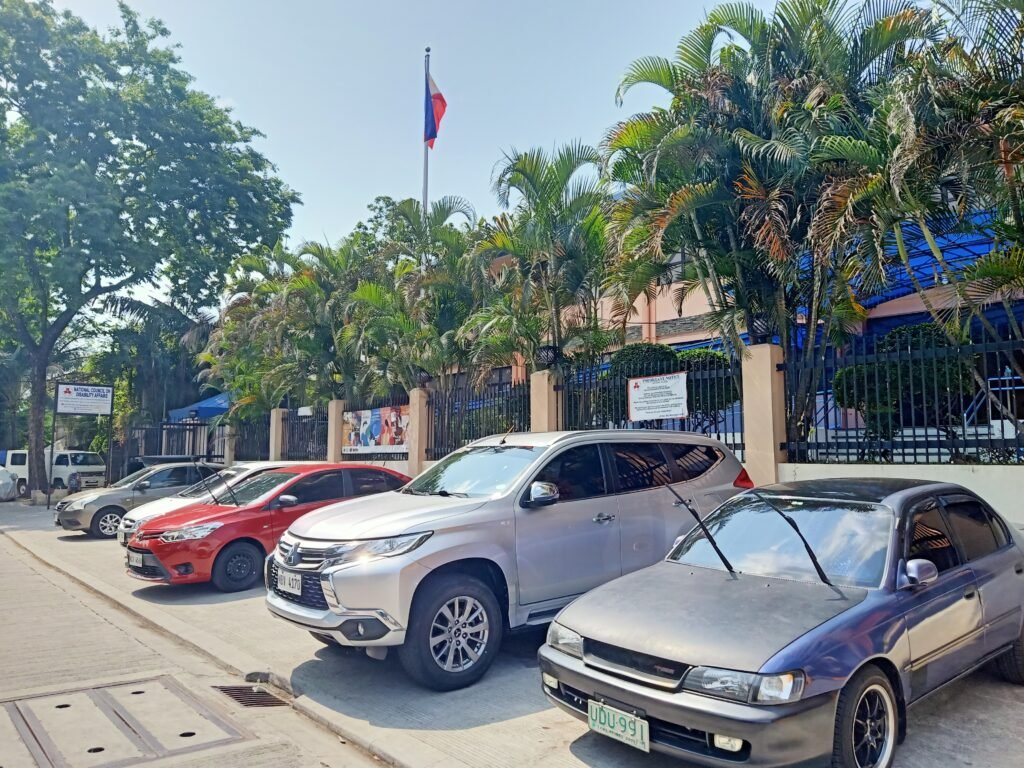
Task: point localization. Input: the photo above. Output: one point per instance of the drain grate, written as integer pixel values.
(250, 696)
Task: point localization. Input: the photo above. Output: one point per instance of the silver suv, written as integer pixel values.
(500, 534)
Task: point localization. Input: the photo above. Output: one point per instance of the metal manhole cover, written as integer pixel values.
(123, 724)
(249, 696)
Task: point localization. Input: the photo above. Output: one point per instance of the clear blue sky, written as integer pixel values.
(337, 87)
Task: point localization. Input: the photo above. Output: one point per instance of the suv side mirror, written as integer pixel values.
(286, 500)
(542, 494)
(921, 573)
(142, 485)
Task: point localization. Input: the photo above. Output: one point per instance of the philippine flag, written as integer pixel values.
(434, 110)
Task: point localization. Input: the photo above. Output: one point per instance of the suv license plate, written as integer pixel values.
(287, 581)
(619, 725)
(135, 559)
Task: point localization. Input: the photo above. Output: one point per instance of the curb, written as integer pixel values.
(180, 631)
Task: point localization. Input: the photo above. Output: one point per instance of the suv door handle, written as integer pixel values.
(603, 518)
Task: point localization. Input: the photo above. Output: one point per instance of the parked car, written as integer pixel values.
(501, 533)
(99, 512)
(226, 542)
(71, 468)
(135, 463)
(796, 626)
(212, 489)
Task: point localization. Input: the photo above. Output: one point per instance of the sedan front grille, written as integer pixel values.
(312, 594)
(651, 670)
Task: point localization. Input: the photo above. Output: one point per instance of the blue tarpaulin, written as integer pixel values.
(204, 409)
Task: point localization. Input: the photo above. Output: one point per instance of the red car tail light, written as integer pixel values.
(743, 480)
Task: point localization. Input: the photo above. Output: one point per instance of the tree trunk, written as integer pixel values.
(37, 469)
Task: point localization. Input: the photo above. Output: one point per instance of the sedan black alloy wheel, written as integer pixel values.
(874, 728)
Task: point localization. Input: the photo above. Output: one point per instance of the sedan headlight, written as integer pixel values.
(364, 550)
(80, 503)
(192, 532)
(563, 639)
(745, 687)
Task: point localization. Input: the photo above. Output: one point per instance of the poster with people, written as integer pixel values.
(375, 430)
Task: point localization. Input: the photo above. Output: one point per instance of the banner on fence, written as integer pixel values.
(657, 397)
(375, 430)
(84, 399)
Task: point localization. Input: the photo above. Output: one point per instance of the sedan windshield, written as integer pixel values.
(217, 483)
(124, 482)
(483, 471)
(256, 488)
(850, 539)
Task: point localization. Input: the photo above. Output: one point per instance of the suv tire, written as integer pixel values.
(456, 622)
(867, 722)
(103, 525)
(239, 566)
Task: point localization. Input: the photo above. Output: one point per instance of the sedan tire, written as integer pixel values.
(238, 567)
(105, 521)
(1011, 663)
(867, 722)
(454, 633)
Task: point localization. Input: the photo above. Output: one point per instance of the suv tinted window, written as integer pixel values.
(692, 461)
(577, 473)
(971, 525)
(929, 537)
(322, 487)
(370, 481)
(640, 466)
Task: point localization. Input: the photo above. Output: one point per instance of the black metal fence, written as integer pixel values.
(596, 397)
(305, 434)
(252, 439)
(177, 438)
(912, 396)
(464, 412)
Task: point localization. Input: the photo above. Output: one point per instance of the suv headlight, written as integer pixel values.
(364, 550)
(192, 532)
(563, 639)
(745, 687)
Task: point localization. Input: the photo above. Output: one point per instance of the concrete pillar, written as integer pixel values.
(544, 412)
(277, 417)
(764, 412)
(419, 430)
(335, 416)
(229, 445)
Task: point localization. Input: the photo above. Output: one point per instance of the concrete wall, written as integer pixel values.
(1000, 486)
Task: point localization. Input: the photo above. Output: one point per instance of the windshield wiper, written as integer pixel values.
(795, 527)
(707, 534)
(445, 493)
(202, 479)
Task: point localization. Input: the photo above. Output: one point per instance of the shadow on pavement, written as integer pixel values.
(191, 594)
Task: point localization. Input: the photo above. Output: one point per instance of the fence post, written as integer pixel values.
(764, 412)
(229, 445)
(335, 416)
(419, 429)
(544, 415)
(277, 417)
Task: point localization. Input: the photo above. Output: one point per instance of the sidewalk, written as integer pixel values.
(504, 721)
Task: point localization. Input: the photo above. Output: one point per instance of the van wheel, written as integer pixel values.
(23, 488)
(237, 567)
(867, 722)
(105, 521)
(454, 633)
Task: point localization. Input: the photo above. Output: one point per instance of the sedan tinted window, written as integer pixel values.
(640, 466)
(971, 525)
(257, 487)
(929, 537)
(692, 461)
(369, 481)
(576, 472)
(851, 540)
(325, 486)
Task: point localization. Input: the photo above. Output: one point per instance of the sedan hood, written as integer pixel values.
(385, 514)
(705, 617)
(158, 507)
(193, 514)
(98, 493)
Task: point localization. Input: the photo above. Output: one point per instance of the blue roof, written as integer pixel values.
(204, 409)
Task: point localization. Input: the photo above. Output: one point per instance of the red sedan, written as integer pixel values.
(226, 542)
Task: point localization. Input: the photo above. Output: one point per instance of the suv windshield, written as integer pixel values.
(217, 483)
(482, 471)
(86, 460)
(259, 486)
(850, 539)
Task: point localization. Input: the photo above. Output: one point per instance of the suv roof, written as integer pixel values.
(543, 439)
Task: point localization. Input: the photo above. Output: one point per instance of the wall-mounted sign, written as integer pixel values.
(85, 399)
(657, 397)
(376, 430)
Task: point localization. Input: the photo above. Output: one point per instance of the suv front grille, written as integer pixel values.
(651, 670)
(311, 555)
(312, 594)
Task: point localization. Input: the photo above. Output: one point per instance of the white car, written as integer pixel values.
(213, 488)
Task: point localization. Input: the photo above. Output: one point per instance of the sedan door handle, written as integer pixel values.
(603, 518)
(970, 594)
(1018, 568)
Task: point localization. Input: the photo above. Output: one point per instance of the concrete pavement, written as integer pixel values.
(503, 721)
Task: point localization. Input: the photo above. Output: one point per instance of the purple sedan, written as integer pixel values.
(795, 625)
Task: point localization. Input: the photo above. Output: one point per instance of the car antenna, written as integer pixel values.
(707, 534)
(505, 436)
(792, 524)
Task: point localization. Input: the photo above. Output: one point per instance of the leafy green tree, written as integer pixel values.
(114, 172)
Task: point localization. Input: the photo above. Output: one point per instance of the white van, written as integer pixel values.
(88, 465)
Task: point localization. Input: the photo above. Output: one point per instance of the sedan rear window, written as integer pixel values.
(262, 485)
(850, 539)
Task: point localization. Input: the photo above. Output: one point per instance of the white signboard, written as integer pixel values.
(85, 399)
(657, 397)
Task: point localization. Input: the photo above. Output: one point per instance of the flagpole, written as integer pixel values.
(426, 158)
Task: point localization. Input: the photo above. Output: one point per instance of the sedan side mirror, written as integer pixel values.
(542, 494)
(921, 573)
(142, 485)
(286, 500)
